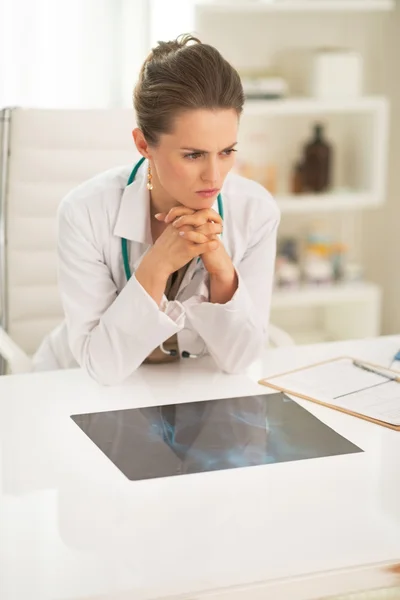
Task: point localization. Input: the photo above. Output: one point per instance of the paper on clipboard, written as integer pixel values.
(340, 384)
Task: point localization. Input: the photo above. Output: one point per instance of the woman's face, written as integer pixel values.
(190, 164)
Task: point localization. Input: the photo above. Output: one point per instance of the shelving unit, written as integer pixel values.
(338, 312)
(325, 295)
(285, 6)
(279, 36)
(334, 202)
(366, 117)
(313, 106)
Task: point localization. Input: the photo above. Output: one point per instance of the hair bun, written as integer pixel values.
(163, 49)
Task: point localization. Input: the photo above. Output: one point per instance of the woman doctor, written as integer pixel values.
(174, 256)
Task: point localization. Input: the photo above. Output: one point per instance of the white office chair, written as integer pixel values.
(18, 361)
(45, 153)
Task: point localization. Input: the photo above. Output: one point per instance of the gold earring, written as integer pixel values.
(149, 179)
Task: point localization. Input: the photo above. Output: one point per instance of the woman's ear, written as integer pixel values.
(141, 143)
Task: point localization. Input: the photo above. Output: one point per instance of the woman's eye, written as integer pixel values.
(193, 155)
(229, 152)
(196, 155)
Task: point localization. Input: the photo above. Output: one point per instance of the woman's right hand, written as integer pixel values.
(171, 251)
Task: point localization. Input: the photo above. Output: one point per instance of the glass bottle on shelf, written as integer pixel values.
(317, 162)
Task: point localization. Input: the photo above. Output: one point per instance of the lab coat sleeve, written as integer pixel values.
(109, 334)
(235, 333)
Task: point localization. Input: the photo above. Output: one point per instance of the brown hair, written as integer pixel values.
(178, 76)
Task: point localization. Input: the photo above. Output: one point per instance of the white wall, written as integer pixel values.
(170, 18)
(71, 54)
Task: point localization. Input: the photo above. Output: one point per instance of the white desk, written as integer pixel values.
(73, 527)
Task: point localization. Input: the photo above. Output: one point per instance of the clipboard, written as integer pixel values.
(269, 382)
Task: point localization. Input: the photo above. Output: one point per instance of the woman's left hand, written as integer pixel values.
(191, 224)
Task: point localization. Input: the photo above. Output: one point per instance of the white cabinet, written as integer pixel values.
(281, 35)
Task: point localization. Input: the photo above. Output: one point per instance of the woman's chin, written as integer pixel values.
(200, 203)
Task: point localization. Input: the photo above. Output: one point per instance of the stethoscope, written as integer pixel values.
(128, 273)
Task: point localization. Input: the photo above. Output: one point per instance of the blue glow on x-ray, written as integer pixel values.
(239, 455)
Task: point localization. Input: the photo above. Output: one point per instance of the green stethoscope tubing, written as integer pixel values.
(124, 242)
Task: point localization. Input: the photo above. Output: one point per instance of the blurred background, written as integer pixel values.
(320, 130)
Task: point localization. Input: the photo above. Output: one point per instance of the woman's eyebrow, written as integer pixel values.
(206, 151)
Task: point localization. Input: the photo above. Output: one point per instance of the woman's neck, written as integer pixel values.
(160, 202)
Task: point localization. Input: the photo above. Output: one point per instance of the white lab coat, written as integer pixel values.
(111, 326)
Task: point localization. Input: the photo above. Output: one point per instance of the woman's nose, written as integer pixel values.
(211, 172)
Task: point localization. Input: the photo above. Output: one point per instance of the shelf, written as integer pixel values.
(313, 106)
(290, 6)
(322, 203)
(325, 295)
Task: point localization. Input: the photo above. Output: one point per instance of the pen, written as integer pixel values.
(376, 371)
(396, 358)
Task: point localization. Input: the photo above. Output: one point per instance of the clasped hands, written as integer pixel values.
(198, 229)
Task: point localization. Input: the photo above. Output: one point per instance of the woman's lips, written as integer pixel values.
(207, 193)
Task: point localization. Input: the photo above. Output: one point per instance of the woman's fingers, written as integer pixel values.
(210, 229)
(199, 239)
(197, 219)
(181, 215)
(173, 214)
(194, 236)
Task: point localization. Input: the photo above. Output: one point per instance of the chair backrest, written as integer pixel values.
(46, 153)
